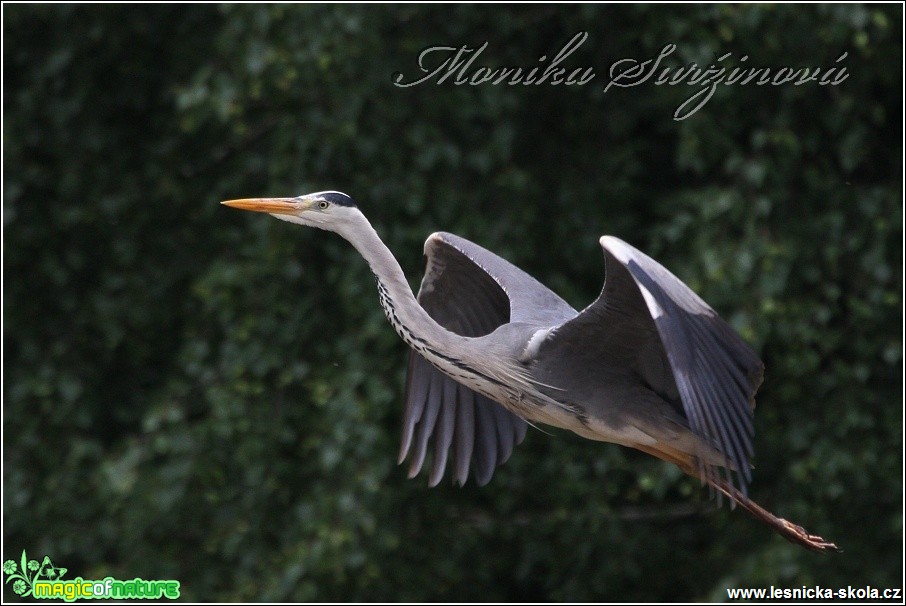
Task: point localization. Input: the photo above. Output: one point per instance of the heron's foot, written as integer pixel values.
(800, 535)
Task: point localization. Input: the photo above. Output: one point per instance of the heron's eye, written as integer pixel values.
(323, 204)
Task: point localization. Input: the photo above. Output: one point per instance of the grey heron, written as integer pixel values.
(648, 365)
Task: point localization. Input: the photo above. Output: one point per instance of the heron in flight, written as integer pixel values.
(648, 365)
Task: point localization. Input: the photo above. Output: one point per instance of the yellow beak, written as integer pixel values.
(280, 206)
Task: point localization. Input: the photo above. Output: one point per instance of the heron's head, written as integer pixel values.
(330, 210)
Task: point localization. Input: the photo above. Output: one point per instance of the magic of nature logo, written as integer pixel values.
(43, 579)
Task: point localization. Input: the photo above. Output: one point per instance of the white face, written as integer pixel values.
(330, 210)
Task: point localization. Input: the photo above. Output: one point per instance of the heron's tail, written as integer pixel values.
(789, 531)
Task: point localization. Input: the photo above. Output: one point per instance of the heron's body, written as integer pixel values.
(647, 365)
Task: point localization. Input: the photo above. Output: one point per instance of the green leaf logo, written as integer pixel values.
(24, 574)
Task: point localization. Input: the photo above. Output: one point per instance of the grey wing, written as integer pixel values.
(529, 300)
(716, 372)
(651, 323)
(470, 291)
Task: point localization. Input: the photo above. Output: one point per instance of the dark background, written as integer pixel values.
(197, 393)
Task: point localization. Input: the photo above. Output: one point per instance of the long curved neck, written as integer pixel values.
(409, 319)
(483, 371)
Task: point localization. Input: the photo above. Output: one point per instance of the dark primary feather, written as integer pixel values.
(649, 325)
(470, 291)
(716, 372)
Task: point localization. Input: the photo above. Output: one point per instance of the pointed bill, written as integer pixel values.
(280, 206)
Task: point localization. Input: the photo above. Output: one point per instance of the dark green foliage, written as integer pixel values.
(196, 393)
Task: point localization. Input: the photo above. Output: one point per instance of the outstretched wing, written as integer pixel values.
(649, 325)
(470, 291)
